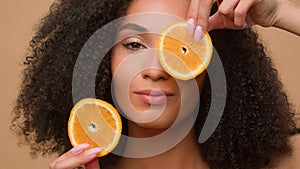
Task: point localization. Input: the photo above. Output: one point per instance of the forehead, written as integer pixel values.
(147, 22)
(178, 8)
(155, 15)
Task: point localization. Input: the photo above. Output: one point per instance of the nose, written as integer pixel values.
(155, 74)
(154, 71)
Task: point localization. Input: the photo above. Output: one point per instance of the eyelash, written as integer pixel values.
(128, 44)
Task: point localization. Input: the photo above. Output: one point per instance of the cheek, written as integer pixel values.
(117, 56)
(115, 61)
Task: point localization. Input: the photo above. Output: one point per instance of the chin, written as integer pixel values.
(156, 125)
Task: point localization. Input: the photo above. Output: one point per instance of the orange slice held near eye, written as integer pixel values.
(95, 122)
(180, 55)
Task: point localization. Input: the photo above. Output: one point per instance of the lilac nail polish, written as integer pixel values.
(93, 151)
(79, 148)
(191, 26)
(198, 34)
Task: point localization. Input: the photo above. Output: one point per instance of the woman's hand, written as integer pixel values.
(240, 14)
(76, 157)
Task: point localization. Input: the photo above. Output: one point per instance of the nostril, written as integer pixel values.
(155, 74)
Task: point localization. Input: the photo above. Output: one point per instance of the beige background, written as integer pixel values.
(17, 20)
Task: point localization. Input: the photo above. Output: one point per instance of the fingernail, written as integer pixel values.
(191, 26)
(93, 151)
(79, 148)
(198, 34)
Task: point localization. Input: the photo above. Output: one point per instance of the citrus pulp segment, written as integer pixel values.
(95, 122)
(180, 55)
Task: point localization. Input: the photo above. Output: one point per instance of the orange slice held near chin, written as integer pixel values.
(180, 55)
(95, 122)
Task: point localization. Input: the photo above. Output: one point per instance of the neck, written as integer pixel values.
(185, 155)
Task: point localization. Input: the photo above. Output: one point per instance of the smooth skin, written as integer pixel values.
(232, 14)
(76, 157)
(240, 14)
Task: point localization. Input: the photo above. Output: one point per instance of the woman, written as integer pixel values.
(257, 122)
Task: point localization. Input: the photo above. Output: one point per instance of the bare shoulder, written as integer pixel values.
(292, 162)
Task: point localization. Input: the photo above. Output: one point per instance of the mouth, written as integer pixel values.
(153, 96)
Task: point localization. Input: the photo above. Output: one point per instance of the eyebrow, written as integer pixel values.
(135, 27)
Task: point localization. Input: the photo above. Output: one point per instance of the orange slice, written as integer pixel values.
(95, 122)
(180, 55)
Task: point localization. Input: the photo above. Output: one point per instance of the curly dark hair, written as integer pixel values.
(256, 124)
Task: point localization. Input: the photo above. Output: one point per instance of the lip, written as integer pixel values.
(153, 96)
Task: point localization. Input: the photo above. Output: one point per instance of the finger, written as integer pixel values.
(215, 22)
(74, 151)
(219, 2)
(192, 16)
(193, 10)
(203, 13)
(77, 160)
(94, 164)
(241, 11)
(227, 6)
(219, 21)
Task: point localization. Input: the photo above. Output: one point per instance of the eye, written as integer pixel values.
(133, 44)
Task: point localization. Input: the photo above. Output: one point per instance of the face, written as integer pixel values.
(145, 92)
